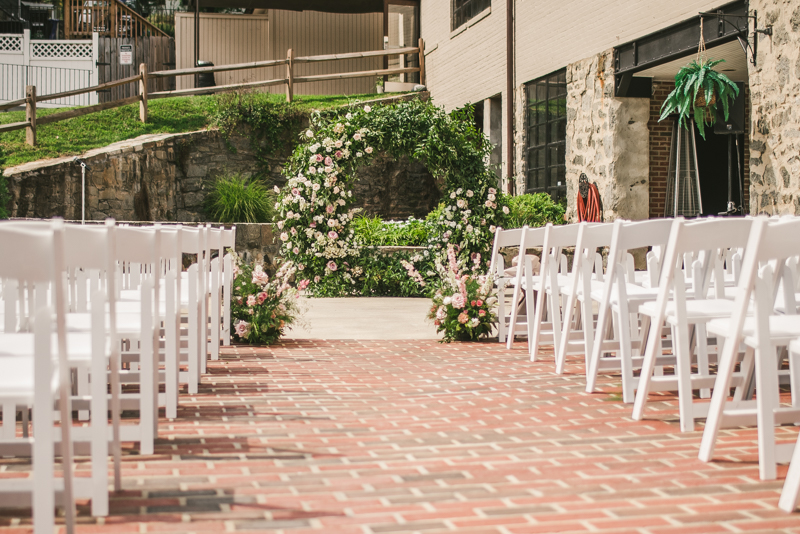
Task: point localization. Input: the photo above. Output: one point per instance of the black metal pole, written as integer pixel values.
(740, 169)
(730, 173)
(196, 38)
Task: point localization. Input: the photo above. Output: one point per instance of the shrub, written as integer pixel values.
(237, 199)
(261, 309)
(4, 196)
(374, 231)
(534, 210)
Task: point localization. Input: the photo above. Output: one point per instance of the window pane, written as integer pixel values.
(464, 10)
(547, 132)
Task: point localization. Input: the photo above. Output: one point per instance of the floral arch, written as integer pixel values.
(315, 205)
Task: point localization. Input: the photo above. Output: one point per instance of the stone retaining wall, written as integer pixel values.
(166, 177)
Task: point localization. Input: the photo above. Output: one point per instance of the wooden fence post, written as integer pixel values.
(30, 114)
(289, 75)
(421, 61)
(143, 92)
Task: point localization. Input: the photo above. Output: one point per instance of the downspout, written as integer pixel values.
(510, 96)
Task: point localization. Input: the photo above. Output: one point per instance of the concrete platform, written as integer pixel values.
(364, 318)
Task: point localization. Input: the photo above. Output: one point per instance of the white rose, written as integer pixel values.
(367, 109)
(368, 150)
(505, 210)
(453, 195)
(469, 193)
(309, 134)
(348, 116)
(284, 236)
(491, 197)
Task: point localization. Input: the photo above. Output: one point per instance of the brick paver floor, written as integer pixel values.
(414, 436)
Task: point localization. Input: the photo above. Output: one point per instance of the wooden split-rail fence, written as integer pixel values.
(31, 122)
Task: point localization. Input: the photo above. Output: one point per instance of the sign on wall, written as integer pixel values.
(126, 54)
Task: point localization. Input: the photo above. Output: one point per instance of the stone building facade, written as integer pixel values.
(615, 137)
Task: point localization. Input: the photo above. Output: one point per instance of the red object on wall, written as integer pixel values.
(589, 209)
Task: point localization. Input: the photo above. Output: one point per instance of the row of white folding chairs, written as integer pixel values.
(695, 300)
(137, 318)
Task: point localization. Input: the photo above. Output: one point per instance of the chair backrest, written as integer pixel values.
(502, 239)
(37, 261)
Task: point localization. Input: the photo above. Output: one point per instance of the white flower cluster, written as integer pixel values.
(314, 202)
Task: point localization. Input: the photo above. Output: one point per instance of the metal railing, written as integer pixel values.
(109, 18)
(48, 80)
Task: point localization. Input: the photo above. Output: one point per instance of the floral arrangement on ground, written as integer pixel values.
(262, 309)
(316, 204)
(463, 307)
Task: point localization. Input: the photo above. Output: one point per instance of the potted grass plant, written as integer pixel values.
(699, 90)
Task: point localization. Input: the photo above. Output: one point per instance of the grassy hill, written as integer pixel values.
(169, 115)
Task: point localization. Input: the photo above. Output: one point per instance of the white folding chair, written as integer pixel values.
(228, 242)
(686, 303)
(36, 373)
(527, 282)
(587, 269)
(502, 280)
(554, 276)
(764, 334)
(621, 297)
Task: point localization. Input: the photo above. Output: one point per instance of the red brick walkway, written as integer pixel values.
(381, 437)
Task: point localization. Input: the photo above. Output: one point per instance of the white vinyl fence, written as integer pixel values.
(52, 66)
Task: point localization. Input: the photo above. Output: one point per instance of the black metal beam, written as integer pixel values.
(681, 40)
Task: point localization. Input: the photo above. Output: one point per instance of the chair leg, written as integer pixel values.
(99, 411)
(790, 495)
(702, 357)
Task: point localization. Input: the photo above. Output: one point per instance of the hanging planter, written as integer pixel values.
(699, 89)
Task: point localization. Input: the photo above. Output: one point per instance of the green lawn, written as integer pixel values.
(169, 115)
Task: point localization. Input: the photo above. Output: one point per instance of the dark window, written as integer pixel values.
(464, 10)
(547, 135)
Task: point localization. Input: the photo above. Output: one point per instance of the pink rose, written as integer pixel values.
(313, 225)
(333, 235)
(328, 161)
(242, 328)
(332, 265)
(480, 303)
(329, 208)
(316, 279)
(463, 318)
(473, 303)
(295, 191)
(261, 297)
(338, 154)
(296, 250)
(482, 313)
(303, 284)
(319, 158)
(458, 301)
(251, 300)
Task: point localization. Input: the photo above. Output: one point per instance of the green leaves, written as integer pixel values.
(237, 199)
(534, 210)
(699, 78)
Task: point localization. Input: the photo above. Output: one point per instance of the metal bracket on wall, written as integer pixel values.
(722, 19)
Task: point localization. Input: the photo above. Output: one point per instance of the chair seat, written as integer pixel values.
(782, 329)
(637, 295)
(127, 323)
(697, 311)
(17, 364)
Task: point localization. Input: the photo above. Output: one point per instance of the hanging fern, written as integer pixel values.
(699, 80)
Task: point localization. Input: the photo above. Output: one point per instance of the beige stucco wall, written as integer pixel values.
(233, 38)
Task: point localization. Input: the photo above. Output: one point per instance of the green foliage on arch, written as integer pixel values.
(315, 205)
